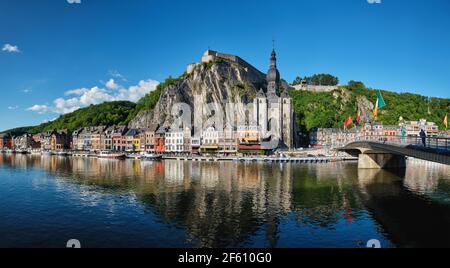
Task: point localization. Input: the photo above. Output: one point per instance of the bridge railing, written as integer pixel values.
(440, 143)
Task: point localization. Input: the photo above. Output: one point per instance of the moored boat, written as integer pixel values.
(47, 153)
(133, 156)
(61, 153)
(151, 157)
(105, 154)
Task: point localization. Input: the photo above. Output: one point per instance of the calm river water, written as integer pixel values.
(47, 200)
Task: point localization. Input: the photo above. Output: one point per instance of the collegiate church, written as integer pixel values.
(273, 110)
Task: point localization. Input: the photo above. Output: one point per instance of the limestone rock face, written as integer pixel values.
(366, 107)
(143, 120)
(205, 88)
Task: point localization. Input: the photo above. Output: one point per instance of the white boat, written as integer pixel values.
(61, 153)
(106, 154)
(133, 156)
(151, 157)
(47, 153)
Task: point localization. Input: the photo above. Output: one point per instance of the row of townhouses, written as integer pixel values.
(337, 137)
(154, 139)
(48, 141)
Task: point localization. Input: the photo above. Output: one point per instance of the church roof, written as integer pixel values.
(273, 74)
(285, 94)
(272, 95)
(260, 94)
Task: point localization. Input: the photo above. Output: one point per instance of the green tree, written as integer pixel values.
(297, 81)
(105, 114)
(322, 80)
(355, 85)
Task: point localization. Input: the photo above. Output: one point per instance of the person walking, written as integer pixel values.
(423, 136)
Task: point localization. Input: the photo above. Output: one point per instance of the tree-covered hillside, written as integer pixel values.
(317, 80)
(148, 102)
(105, 114)
(330, 109)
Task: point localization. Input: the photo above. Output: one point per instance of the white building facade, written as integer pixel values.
(273, 112)
(174, 142)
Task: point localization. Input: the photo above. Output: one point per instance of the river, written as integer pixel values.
(47, 200)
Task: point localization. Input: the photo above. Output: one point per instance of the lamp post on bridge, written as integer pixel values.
(402, 129)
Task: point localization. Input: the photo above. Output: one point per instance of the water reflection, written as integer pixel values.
(226, 204)
(405, 205)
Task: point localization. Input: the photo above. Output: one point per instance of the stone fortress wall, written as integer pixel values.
(211, 56)
(314, 88)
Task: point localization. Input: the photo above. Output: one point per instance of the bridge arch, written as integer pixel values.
(383, 155)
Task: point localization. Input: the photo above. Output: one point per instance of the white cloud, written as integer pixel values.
(134, 93)
(10, 48)
(49, 120)
(84, 97)
(63, 106)
(78, 91)
(94, 95)
(13, 107)
(117, 75)
(39, 108)
(111, 84)
(74, 1)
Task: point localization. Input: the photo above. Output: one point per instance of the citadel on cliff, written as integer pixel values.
(272, 108)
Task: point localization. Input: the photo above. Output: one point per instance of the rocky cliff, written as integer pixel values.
(207, 87)
(346, 98)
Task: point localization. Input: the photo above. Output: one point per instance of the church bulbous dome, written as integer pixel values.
(273, 75)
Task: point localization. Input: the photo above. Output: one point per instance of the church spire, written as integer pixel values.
(273, 75)
(273, 59)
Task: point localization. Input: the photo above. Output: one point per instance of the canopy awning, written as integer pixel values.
(209, 147)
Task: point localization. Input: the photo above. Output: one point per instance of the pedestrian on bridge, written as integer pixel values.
(423, 136)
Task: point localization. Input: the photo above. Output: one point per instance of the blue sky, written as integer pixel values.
(56, 56)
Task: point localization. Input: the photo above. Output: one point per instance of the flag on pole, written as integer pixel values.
(375, 111)
(358, 117)
(380, 104)
(380, 99)
(348, 122)
(446, 121)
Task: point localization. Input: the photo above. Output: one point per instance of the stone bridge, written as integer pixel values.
(391, 152)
